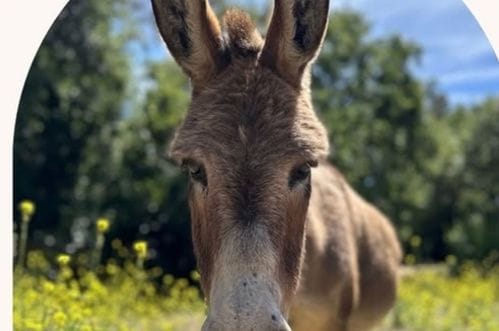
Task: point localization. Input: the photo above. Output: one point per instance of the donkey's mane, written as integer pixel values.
(240, 34)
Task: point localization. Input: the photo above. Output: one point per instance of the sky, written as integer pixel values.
(456, 53)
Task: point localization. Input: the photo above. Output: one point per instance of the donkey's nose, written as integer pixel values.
(274, 323)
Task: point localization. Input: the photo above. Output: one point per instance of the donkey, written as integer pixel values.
(279, 235)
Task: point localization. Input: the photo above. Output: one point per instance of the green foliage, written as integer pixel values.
(71, 101)
(87, 146)
(475, 230)
(402, 147)
(145, 192)
(372, 105)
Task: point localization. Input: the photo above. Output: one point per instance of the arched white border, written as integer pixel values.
(23, 24)
(486, 13)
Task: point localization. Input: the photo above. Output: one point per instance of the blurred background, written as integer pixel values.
(409, 92)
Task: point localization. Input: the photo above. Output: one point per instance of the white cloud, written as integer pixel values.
(456, 52)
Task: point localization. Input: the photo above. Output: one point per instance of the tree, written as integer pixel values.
(72, 98)
(141, 190)
(372, 104)
(403, 147)
(475, 230)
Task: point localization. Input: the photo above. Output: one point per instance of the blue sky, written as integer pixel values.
(456, 53)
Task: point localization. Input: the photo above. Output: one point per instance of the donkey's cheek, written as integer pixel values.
(205, 235)
(292, 251)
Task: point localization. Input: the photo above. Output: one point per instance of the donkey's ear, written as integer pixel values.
(193, 36)
(294, 37)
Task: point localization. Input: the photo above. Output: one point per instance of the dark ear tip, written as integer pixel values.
(170, 19)
(192, 34)
(310, 23)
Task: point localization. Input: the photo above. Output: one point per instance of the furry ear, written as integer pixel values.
(193, 36)
(295, 35)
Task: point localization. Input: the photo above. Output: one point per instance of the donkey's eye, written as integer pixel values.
(196, 172)
(299, 174)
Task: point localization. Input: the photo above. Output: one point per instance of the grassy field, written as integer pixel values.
(129, 298)
(431, 299)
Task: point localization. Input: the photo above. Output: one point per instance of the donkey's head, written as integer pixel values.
(248, 141)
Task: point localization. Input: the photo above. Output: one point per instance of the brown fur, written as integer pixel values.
(249, 131)
(350, 271)
(242, 33)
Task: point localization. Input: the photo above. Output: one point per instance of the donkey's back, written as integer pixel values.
(349, 276)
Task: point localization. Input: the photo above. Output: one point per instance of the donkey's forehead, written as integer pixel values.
(250, 110)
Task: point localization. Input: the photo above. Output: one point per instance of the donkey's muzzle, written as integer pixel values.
(272, 323)
(246, 304)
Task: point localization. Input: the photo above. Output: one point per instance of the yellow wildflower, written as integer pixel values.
(66, 273)
(27, 209)
(168, 280)
(112, 269)
(167, 326)
(182, 283)
(102, 225)
(33, 326)
(48, 286)
(60, 319)
(140, 248)
(195, 276)
(63, 259)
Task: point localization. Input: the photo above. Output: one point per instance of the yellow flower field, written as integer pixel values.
(79, 293)
(128, 298)
(429, 299)
(121, 298)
